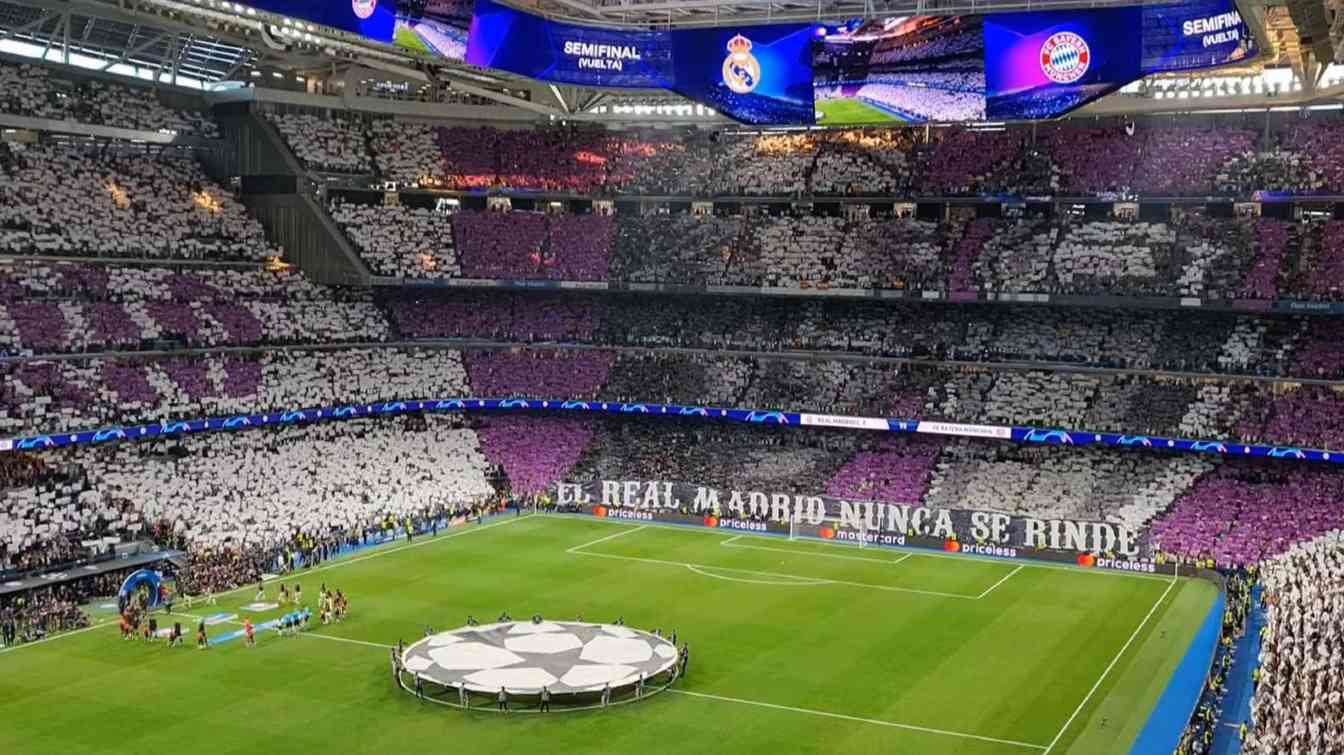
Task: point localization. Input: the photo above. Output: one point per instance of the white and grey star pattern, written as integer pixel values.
(523, 657)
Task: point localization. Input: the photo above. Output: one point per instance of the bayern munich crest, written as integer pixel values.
(363, 8)
(741, 70)
(1065, 57)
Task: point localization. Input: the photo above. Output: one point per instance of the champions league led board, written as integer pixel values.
(510, 40)
(912, 69)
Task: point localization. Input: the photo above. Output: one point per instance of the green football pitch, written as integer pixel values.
(852, 113)
(406, 38)
(796, 647)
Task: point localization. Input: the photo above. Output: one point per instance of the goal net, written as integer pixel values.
(830, 530)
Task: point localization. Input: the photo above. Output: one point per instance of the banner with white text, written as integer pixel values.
(994, 532)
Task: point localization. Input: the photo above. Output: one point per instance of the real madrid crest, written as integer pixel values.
(1065, 57)
(741, 70)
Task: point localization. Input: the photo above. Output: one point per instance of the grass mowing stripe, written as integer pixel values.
(1111, 665)
(857, 719)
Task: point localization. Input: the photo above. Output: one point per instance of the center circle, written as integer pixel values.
(569, 659)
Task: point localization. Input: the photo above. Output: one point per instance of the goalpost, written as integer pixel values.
(830, 531)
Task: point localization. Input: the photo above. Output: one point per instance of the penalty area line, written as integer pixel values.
(732, 543)
(1005, 578)
(802, 581)
(791, 582)
(622, 533)
(857, 719)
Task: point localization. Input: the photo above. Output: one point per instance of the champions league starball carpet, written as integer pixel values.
(794, 647)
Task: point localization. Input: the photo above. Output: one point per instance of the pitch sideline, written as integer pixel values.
(1106, 672)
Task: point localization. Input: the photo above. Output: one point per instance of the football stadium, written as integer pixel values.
(672, 376)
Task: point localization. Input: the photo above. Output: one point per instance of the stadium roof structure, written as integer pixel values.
(665, 13)
(111, 37)
(205, 44)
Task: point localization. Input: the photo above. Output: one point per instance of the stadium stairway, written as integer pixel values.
(278, 191)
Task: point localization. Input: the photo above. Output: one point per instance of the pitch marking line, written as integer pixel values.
(802, 581)
(909, 549)
(772, 706)
(622, 533)
(857, 719)
(333, 638)
(990, 589)
(1110, 666)
(49, 638)
(732, 543)
(791, 582)
(760, 704)
(336, 565)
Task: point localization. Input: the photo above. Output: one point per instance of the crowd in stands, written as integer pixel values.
(33, 615)
(195, 309)
(1191, 254)
(45, 397)
(325, 144)
(1064, 159)
(1241, 513)
(401, 242)
(1208, 342)
(221, 490)
(407, 153)
(119, 201)
(35, 91)
(1299, 687)
(56, 308)
(123, 487)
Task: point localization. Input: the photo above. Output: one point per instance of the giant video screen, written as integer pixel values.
(899, 70)
(753, 74)
(1048, 63)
